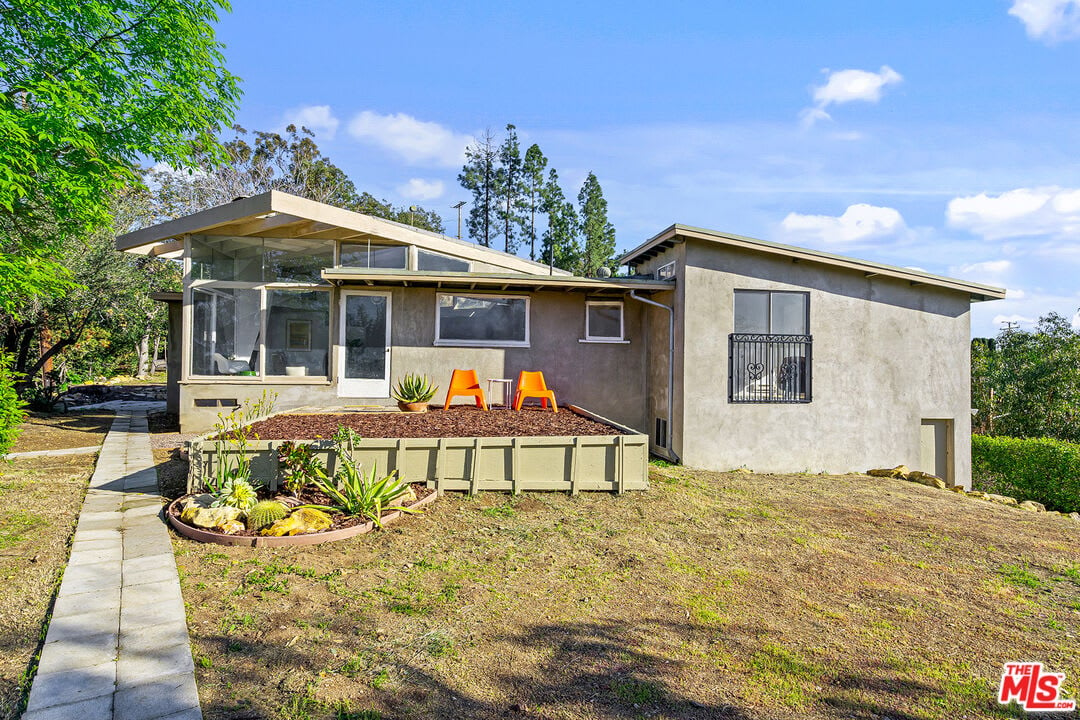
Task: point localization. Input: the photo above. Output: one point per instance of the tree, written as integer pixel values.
(1027, 383)
(508, 183)
(89, 89)
(597, 232)
(533, 186)
(478, 176)
(292, 163)
(560, 241)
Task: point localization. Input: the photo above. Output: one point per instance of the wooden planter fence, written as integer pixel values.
(611, 463)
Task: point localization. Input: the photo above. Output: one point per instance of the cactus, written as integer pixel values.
(265, 513)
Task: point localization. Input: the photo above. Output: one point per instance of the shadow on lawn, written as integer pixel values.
(597, 669)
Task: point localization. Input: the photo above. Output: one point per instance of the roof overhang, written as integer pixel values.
(679, 233)
(490, 281)
(276, 214)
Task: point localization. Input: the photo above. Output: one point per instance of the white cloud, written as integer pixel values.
(1023, 212)
(1014, 318)
(416, 141)
(317, 118)
(987, 269)
(1048, 20)
(844, 86)
(420, 189)
(859, 223)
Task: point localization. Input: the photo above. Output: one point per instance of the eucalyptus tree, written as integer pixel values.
(478, 177)
(508, 188)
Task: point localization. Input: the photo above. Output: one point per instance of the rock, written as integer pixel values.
(409, 496)
(1002, 499)
(209, 517)
(1033, 506)
(202, 501)
(977, 494)
(230, 528)
(1075, 516)
(900, 471)
(304, 520)
(926, 479)
(958, 489)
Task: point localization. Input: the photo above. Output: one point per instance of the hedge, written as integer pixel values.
(11, 407)
(1040, 469)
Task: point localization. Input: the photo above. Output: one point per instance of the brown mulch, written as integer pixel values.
(458, 421)
(309, 496)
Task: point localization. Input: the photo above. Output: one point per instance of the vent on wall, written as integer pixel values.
(216, 402)
(660, 440)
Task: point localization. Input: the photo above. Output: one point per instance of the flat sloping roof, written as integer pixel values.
(276, 214)
(490, 281)
(666, 239)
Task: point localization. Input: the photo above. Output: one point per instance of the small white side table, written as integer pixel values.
(507, 390)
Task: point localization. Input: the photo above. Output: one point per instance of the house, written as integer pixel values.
(727, 351)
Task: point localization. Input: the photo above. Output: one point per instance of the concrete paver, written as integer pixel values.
(117, 646)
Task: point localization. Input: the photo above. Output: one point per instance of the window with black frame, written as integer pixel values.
(770, 352)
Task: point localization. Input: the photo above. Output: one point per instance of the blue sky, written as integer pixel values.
(942, 136)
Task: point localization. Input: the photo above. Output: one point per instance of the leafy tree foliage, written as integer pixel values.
(1027, 383)
(597, 232)
(508, 187)
(560, 240)
(532, 172)
(478, 177)
(88, 89)
(292, 163)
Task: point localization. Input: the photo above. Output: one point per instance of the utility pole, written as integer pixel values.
(458, 208)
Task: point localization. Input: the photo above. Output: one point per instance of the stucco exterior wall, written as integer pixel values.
(886, 355)
(605, 378)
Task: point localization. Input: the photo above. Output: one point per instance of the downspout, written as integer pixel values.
(671, 371)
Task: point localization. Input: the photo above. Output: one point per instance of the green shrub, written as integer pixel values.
(11, 407)
(1040, 469)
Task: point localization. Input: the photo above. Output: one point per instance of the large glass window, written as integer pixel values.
(296, 259)
(772, 312)
(604, 321)
(297, 332)
(427, 260)
(225, 331)
(370, 255)
(260, 260)
(486, 320)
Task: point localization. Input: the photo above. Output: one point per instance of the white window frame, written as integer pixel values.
(660, 271)
(439, 342)
(589, 337)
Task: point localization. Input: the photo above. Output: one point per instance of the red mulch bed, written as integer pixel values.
(458, 421)
(310, 496)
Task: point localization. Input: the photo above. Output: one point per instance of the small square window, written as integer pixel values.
(664, 272)
(604, 321)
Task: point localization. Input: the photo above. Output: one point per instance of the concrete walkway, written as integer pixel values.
(117, 646)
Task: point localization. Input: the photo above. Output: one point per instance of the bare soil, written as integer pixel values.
(458, 421)
(712, 595)
(39, 506)
(55, 431)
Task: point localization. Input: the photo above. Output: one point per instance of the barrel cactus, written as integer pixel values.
(265, 513)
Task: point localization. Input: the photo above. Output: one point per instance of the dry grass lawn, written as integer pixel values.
(709, 596)
(54, 431)
(39, 505)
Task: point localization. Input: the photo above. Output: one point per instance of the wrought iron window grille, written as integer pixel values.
(765, 368)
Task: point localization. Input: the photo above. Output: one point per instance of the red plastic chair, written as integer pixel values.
(465, 382)
(531, 384)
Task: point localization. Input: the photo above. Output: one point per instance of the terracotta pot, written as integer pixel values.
(417, 407)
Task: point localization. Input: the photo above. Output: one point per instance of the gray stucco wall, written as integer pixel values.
(886, 355)
(602, 377)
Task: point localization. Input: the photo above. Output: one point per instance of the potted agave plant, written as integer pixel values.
(413, 392)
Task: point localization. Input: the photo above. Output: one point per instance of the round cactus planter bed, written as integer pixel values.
(425, 496)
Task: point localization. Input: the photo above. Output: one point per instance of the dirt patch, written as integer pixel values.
(56, 431)
(458, 421)
(39, 506)
(709, 596)
(172, 472)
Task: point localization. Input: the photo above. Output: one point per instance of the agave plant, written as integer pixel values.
(236, 492)
(415, 388)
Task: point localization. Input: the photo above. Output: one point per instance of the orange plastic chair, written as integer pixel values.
(531, 385)
(465, 382)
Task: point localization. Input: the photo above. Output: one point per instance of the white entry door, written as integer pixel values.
(363, 369)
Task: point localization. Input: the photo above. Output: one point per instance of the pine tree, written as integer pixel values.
(478, 176)
(508, 182)
(598, 233)
(559, 243)
(532, 193)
